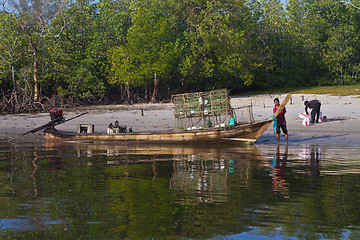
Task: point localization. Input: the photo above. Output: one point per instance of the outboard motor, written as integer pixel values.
(56, 115)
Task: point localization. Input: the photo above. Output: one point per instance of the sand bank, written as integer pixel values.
(341, 127)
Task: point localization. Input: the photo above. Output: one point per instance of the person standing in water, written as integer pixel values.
(281, 121)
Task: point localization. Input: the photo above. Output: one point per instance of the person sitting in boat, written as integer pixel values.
(281, 121)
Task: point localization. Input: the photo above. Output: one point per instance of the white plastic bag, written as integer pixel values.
(321, 117)
(306, 122)
(306, 119)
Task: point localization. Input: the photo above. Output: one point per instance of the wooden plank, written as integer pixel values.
(282, 105)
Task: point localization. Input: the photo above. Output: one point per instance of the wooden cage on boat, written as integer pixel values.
(208, 109)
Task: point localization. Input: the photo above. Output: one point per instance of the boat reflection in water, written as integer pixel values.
(207, 180)
(199, 173)
(172, 191)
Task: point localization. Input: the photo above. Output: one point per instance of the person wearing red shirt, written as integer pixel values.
(281, 121)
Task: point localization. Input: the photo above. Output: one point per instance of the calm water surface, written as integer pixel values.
(129, 191)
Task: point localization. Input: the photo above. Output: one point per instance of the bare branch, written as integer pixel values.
(4, 7)
(350, 3)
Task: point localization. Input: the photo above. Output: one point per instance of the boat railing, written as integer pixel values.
(208, 118)
(207, 110)
(243, 114)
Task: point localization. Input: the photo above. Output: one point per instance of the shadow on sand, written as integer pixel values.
(296, 140)
(334, 120)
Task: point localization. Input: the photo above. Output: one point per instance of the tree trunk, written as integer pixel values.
(13, 77)
(36, 83)
(153, 98)
(127, 90)
(146, 92)
(121, 92)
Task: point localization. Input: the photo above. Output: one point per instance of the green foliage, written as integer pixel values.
(215, 49)
(85, 50)
(332, 90)
(150, 48)
(13, 44)
(122, 70)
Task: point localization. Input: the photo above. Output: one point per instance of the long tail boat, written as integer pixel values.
(192, 118)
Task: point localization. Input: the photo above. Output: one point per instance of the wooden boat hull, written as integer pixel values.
(245, 132)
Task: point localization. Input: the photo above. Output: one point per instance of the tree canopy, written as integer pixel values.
(58, 53)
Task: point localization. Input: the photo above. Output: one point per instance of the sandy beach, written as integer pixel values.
(341, 127)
